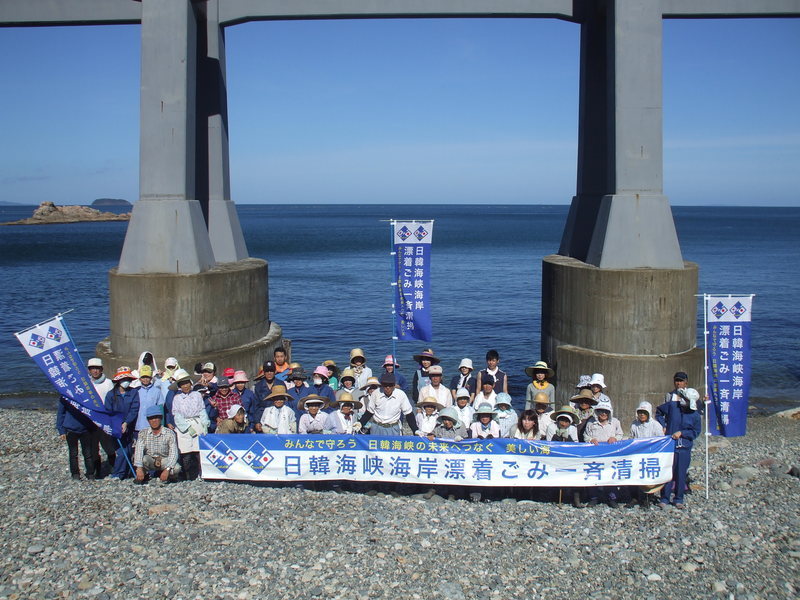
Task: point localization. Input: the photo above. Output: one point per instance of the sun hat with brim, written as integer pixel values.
(123, 373)
(585, 395)
(239, 377)
(223, 382)
(502, 398)
(435, 370)
(154, 411)
(465, 362)
(604, 405)
(427, 354)
(462, 393)
(389, 360)
(328, 363)
(430, 402)
(95, 362)
(484, 409)
(278, 391)
(583, 382)
(537, 367)
(357, 353)
(598, 379)
(448, 413)
(312, 399)
(348, 374)
(322, 372)
(566, 411)
(370, 382)
(542, 398)
(345, 398)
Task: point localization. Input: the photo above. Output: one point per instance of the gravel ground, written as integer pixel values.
(81, 539)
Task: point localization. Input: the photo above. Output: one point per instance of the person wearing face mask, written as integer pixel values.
(681, 421)
(320, 387)
(123, 400)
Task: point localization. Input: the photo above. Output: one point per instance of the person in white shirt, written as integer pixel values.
(436, 388)
(385, 409)
(426, 418)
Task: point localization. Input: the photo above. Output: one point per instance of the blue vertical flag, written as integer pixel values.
(412, 261)
(728, 350)
(50, 346)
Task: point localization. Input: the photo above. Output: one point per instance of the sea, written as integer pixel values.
(330, 272)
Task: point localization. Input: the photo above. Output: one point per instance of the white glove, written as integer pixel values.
(191, 431)
(356, 427)
(458, 438)
(421, 433)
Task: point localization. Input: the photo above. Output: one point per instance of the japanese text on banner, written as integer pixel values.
(412, 247)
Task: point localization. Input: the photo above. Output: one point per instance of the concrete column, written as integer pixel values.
(167, 232)
(224, 229)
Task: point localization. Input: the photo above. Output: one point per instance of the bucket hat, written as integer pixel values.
(605, 405)
(583, 381)
(462, 393)
(448, 413)
(348, 373)
(123, 373)
(598, 379)
(484, 409)
(427, 353)
(503, 398)
(539, 366)
(322, 372)
(239, 377)
(389, 360)
(466, 362)
(343, 398)
(566, 411)
(357, 353)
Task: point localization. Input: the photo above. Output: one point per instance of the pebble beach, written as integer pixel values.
(106, 539)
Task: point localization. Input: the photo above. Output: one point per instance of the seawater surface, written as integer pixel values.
(330, 272)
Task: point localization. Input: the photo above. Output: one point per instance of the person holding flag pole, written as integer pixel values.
(123, 400)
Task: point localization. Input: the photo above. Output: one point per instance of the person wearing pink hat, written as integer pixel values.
(390, 365)
(123, 400)
(246, 395)
(319, 385)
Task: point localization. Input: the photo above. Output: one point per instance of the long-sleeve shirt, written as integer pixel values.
(442, 394)
(602, 432)
(477, 430)
(309, 424)
(534, 388)
(163, 444)
(648, 429)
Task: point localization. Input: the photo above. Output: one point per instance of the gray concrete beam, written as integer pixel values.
(14, 13)
(167, 232)
(241, 11)
(717, 9)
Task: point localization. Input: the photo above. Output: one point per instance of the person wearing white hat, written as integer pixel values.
(246, 396)
(603, 428)
(465, 379)
(598, 384)
(484, 425)
(236, 422)
(436, 389)
(505, 415)
(100, 439)
(463, 407)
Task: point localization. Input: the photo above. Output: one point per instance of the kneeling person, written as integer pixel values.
(236, 423)
(156, 450)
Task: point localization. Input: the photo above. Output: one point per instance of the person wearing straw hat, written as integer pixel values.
(598, 386)
(358, 362)
(540, 375)
(681, 421)
(428, 413)
(424, 359)
(390, 365)
(343, 421)
(191, 421)
(463, 407)
(505, 416)
(371, 389)
(348, 385)
(584, 402)
(541, 406)
(465, 379)
(386, 407)
(436, 389)
(483, 425)
(319, 385)
(123, 400)
(313, 421)
(246, 396)
(278, 417)
(448, 426)
(564, 425)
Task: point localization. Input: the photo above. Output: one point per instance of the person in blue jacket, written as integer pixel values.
(123, 400)
(74, 427)
(681, 421)
(247, 396)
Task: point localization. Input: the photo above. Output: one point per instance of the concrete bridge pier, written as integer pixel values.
(185, 286)
(618, 298)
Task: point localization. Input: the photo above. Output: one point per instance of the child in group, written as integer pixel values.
(563, 428)
(603, 427)
(463, 408)
(425, 359)
(505, 415)
(681, 421)
(643, 426)
(313, 421)
(343, 420)
(527, 427)
(464, 379)
(541, 406)
(427, 416)
(540, 373)
(278, 418)
(486, 395)
(448, 426)
(333, 374)
(484, 426)
(390, 365)
(236, 423)
(584, 403)
(598, 385)
(358, 362)
(492, 368)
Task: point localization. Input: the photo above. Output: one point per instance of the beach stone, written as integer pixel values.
(745, 473)
(719, 587)
(452, 590)
(651, 576)
(160, 509)
(36, 549)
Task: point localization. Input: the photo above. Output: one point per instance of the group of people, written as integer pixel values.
(165, 411)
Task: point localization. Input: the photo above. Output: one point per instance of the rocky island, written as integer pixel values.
(48, 213)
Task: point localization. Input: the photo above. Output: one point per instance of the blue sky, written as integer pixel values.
(441, 111)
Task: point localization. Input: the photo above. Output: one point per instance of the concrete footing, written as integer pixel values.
(636, 326)
(221, 315)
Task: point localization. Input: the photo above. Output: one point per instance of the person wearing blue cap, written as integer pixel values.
(156, 450)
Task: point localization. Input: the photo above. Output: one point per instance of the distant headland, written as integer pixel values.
(49, 213)
(112, 202)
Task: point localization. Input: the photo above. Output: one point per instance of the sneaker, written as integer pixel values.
(680, 505)
(663, 505)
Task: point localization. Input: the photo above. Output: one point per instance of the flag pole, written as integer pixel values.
(392, 286)
(706, 401)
